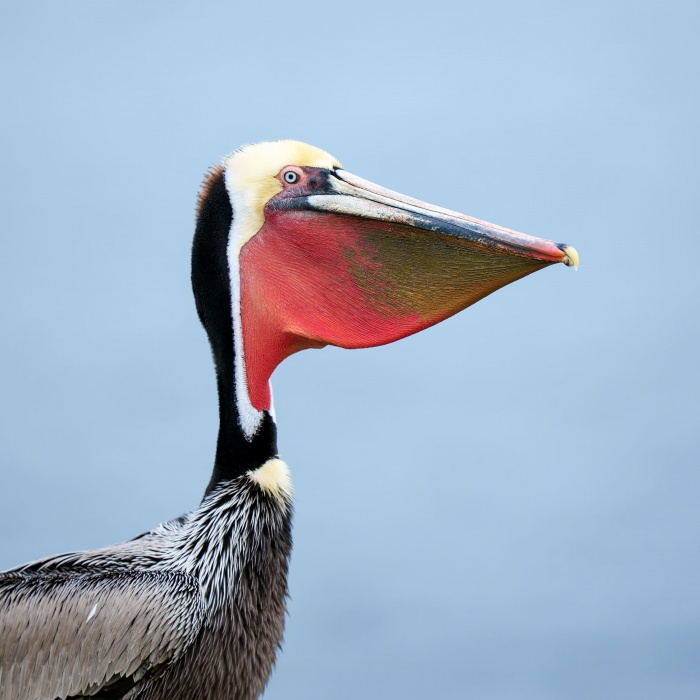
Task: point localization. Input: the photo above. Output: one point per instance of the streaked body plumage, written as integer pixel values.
(198, 602)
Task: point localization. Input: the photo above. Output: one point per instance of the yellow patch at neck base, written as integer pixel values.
(274, 479)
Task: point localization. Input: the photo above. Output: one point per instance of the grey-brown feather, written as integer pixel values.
(195, 607)
(64, 634)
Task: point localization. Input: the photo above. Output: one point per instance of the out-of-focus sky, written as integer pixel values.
(502, 507)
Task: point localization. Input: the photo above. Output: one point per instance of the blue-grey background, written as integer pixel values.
(505, 506)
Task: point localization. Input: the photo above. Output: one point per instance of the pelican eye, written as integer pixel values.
(291, 177)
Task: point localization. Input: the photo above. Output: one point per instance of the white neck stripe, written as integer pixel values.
(249, 417)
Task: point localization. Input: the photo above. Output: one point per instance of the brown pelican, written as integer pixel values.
(290, 252)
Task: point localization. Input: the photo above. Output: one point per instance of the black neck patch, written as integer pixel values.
(211, 285)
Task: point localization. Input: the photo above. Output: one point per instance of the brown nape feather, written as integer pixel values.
(213, 174)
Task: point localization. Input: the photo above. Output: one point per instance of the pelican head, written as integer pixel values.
(315, 255)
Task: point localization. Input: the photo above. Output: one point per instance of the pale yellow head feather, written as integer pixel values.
(251, 178)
